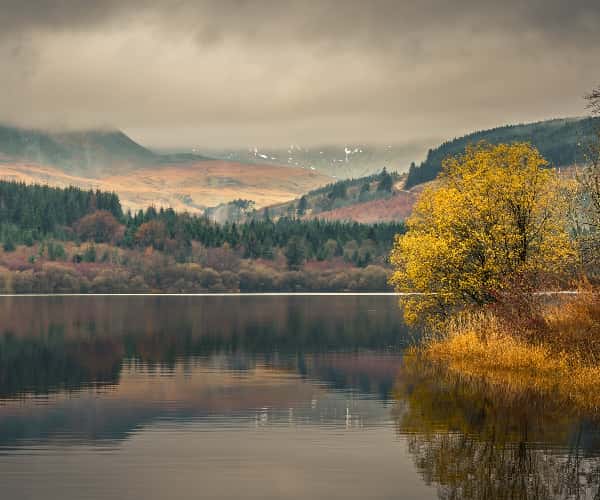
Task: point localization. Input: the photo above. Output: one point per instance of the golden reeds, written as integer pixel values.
(559, 361)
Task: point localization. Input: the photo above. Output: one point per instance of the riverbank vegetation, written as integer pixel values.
(488, 243)
(557, 355)
(70, 240)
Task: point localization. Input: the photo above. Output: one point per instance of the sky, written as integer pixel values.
(237, 73)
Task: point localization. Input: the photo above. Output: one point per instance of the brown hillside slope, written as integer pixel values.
(190, 187)
(398, 207)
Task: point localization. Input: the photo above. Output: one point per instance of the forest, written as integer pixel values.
(72, 240)
(561, 142)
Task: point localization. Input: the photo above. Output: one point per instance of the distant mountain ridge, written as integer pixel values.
(254, 183)
(338, 161)
(89, 153)
(112, 161)
(561, 141)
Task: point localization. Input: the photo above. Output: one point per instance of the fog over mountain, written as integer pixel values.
(235, 73)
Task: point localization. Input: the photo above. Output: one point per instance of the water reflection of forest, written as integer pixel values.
(476, 443)
(48, 344)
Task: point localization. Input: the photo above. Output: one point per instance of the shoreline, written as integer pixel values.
(556, 355)
(251, 294)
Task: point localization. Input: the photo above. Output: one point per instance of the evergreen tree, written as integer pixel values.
(338, 190)
(386, 181)
(302, 206)
(56, 251)
(295, 252)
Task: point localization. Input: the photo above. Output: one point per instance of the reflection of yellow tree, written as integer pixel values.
(475, 443)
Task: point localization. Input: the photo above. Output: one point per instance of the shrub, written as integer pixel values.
(56, 251)
(100, 226)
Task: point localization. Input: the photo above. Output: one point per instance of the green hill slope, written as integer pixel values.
(560, 142)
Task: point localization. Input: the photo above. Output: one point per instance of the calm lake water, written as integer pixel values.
(260, 397)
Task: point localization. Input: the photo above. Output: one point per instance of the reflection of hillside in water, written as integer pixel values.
(477, 443)
(196, 389)
(48, 344)
(98, 368)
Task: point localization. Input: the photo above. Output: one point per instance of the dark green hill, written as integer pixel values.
(88, 153)
(560, 141)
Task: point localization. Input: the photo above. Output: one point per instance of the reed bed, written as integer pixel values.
(559, 358)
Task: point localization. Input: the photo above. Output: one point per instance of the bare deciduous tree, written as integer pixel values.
(589, 184)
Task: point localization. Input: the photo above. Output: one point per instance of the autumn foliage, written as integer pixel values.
(495, 216)
(100, 226)
(152, 233)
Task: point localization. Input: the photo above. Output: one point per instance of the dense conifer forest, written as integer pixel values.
(559, 141)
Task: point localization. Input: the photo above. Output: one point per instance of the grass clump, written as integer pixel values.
(557, 355)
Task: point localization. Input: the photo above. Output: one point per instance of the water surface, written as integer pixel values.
(260, 397)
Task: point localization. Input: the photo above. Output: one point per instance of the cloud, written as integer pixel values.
(237, 72)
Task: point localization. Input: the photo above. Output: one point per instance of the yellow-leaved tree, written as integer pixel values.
(494, 214)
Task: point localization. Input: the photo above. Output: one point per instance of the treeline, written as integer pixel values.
(72, 240)
(32, 213)
(312, 239)
(384, 179)
(44, 210)
(333, 196)
(559, 141)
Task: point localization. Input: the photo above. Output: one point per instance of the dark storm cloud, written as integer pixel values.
(304, 18)
(223, 72)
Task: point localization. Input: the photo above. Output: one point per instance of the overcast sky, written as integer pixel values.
(214, 73)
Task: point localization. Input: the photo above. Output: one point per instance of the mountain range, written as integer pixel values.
(275, 178)
(337, 161)
(110, 160)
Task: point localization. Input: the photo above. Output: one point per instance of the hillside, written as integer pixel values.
(395, 208)
(191, 187)
(337, 161)
(112, 161)
(334, 196)
(561, 142)
(89, 153)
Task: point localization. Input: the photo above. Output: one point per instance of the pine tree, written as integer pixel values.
(302, 206)
(295, 253)
(386, 182)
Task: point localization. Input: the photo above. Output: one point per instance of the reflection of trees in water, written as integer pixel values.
(48, 344)
(474, 443)
(32, 365)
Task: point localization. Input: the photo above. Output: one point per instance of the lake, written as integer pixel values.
(266, 397)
